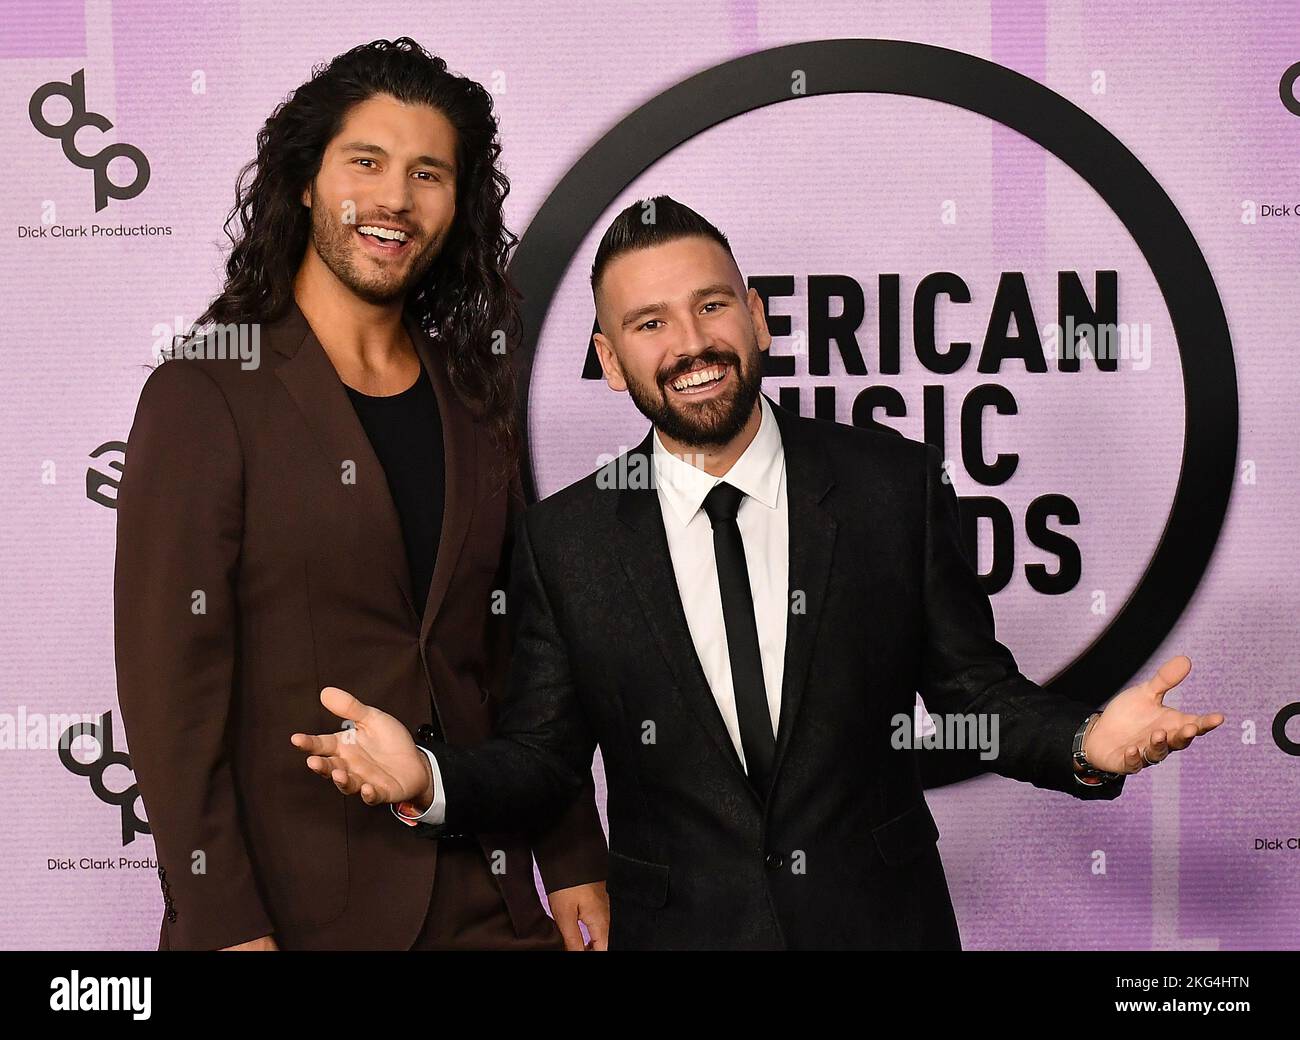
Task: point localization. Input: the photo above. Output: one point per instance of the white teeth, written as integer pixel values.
(382, 232)
(703, 375)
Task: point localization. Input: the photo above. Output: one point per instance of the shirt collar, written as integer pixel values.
(757, 472)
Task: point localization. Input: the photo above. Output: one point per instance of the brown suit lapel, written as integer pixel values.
(460, 451)
(312, 382)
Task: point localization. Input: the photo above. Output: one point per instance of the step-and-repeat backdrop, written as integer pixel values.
(1057, 239)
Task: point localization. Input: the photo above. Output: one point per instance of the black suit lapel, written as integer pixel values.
(812, 545)
(643, 550)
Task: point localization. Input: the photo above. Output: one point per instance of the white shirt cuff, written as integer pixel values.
(437, 811)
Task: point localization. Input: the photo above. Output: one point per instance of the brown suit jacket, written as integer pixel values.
(259, 559)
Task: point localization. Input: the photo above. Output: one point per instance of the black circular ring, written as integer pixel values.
(1045, 117)
(1286, 89)
(1280, 720)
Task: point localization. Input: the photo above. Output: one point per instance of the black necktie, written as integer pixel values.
(721, 505)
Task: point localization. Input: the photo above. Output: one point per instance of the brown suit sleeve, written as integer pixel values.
(571, 850)
(179, 528)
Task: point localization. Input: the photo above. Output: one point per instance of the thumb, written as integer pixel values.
(343, 704)
(1171, 673)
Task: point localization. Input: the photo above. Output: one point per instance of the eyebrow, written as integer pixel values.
(421, 160)
(720, 289)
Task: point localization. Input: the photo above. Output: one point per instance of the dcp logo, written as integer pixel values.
(75, 92)
(102, 733)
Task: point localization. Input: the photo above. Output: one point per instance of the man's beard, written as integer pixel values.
(709, 424)
(336, 244)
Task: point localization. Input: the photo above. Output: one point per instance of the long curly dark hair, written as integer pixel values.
(464, 300)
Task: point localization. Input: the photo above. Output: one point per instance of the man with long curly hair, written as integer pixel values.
(340, 509)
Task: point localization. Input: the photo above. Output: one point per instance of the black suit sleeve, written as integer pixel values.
(539, 761)
(965, 670)
(571, 849)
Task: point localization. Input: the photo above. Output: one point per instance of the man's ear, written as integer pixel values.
(306, 195)
(759, 317)
(609, 363)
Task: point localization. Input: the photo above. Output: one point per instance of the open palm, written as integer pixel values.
(373, 755)
(1138, 721)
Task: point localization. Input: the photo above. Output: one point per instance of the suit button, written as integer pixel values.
(774, 861)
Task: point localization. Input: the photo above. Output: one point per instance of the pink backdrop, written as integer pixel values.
(856, 185)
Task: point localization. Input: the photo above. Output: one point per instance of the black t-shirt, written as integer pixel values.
(405, 431)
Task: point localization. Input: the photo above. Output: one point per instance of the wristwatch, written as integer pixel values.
(1087, 774)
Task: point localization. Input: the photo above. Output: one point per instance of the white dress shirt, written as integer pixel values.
(764, 522)
(764, 525)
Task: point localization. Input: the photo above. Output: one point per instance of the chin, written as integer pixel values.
(712, 434)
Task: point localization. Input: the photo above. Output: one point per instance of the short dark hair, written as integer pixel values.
(651, 222)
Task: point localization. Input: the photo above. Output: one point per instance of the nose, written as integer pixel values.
(393, 191)
(695, 341)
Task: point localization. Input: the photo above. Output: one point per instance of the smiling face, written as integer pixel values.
(682, 335)
(384, 199)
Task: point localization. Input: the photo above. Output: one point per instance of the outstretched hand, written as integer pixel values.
(373, 755)
(1137, 729)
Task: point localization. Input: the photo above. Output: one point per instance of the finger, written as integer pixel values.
(345, 781)
(1159, 748)
(343, 704)
(1182, 736)
(1133, 759)
(567, 922)
(319, 744)
(1205, 723)
(325, 765)
(376, 793)
(598, 929)
(1170, 674)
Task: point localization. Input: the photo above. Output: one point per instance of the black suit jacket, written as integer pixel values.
(842, 853)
